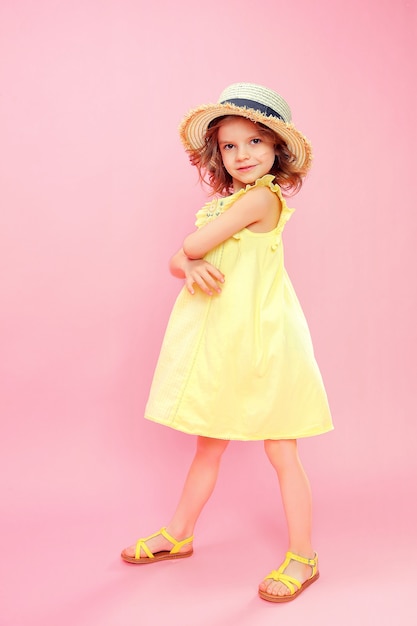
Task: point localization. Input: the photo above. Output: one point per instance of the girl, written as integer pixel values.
(237, 360)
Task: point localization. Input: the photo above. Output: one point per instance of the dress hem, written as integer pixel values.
(189, 431)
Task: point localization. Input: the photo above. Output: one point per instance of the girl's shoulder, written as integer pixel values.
(215, 207)
(260, 188)
(266, 182)
(261, 185)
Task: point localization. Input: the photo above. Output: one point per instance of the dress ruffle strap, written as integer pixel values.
(212, 209)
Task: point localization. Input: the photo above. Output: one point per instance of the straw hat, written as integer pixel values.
(257, 104)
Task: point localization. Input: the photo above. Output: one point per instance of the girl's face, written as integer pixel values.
(246, 153)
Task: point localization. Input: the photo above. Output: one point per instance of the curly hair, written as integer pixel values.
(212, 172)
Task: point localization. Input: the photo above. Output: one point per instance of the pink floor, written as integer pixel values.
(60, 557)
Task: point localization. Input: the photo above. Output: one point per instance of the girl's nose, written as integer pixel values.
(242, 153)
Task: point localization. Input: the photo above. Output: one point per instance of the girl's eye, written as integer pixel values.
(256, 140)
(228, 146)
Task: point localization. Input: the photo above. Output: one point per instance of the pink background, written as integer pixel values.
(96, 194)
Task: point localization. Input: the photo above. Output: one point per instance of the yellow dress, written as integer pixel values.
(240, 365)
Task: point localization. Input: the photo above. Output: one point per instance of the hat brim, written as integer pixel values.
(194, 126)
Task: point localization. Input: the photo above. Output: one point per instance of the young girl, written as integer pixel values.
(237, 360)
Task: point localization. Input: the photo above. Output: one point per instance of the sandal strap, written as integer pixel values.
(141, 543)
(177, 544)
(292, 583)
(301, 559)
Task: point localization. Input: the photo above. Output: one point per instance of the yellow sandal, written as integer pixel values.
(293, 584)
(163, 555)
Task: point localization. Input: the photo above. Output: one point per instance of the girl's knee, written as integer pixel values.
(281, 450)
(211, 447)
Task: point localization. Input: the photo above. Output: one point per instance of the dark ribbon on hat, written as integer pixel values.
(251, 104)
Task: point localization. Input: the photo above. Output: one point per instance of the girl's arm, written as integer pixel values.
(196, 271)
(251, 208)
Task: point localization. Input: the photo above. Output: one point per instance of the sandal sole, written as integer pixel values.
(161, 556)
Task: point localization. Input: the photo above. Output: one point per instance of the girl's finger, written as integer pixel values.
(212, 282)
(215, 272)
(189, 285)
(199, 280)
(217, 276)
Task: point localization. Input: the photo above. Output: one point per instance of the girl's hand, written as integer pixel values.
(204, 274)
(196, 272)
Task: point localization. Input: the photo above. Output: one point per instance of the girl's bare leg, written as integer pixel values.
(198, 487)
(296, 499)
